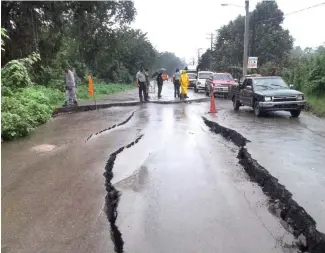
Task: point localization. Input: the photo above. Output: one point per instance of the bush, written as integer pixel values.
(15, 75)
(26, 109)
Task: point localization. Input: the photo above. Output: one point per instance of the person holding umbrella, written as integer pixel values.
(160, 81)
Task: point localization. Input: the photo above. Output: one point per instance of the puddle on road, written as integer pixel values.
(43, 148)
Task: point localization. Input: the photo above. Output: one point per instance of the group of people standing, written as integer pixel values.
(180, 80)
(143, 83)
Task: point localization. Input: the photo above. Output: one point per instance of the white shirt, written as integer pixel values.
(141, 76)
(69, 78)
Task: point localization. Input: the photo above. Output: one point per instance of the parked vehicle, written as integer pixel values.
(252, 75)
(192, 78)
(220, 82)
(201, 79)
(267, 93)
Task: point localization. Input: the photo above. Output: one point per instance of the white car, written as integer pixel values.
(201, 78)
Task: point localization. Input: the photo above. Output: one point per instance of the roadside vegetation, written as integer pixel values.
(91, 38)
(273, 45)
(102, 89)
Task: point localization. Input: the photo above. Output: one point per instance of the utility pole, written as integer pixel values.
(193, 60)
(211, 40)
(198, 55)
(245, 57)
(252, 51)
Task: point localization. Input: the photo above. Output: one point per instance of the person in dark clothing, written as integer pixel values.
(147, 82)
(176, 82)
(160, 83)
(141, 83)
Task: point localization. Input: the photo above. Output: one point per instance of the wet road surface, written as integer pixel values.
(292, 150)
(182, 189)
(52, 201)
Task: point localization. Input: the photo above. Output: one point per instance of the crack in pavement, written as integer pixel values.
(302, 225)
(113, 196)
(113, 126)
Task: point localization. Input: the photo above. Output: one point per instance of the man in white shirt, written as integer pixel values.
(70, 87)
(141, 83)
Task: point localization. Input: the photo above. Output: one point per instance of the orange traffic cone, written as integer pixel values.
(212, 103)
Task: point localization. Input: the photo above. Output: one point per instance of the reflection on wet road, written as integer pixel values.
(182, 188)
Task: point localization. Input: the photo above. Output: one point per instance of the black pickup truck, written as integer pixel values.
(267, 93)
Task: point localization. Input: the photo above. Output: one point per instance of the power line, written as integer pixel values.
(290, 13)
(304, 9)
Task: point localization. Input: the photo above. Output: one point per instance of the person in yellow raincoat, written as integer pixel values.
(184, 81)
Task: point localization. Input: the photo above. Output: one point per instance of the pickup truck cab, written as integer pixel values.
(220, 83)
(267, 93)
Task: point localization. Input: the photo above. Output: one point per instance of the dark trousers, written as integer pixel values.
(142, 90)
(147, 89)
(160, 85)
(176, 88)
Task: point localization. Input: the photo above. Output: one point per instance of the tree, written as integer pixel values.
(205, 60)
(89, 36)
(267, 39)
(169, 61)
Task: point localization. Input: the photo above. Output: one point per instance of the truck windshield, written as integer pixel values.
(269, 83)
(204, 75)
(222, 77)
(191, 75)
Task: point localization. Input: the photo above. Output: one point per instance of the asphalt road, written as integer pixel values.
(291, 149)
(182, 189)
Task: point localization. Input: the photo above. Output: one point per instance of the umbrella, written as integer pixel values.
(158, 71)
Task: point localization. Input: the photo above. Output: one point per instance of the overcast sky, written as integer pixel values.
(188, 22)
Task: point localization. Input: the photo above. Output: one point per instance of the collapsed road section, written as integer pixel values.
(113, 126)
(113, 196)
(298, 222)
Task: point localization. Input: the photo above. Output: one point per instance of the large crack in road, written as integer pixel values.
(113, 196)
(298, 221)
(113, 126)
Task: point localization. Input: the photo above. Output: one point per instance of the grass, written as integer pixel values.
(101, 90)
(317, 105)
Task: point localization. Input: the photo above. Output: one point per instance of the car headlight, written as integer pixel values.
(198, 83)
(267, 99)
(300, 97)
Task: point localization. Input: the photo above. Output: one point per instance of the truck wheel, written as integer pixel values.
(235, 104)
(295, 113)
(257, 110)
